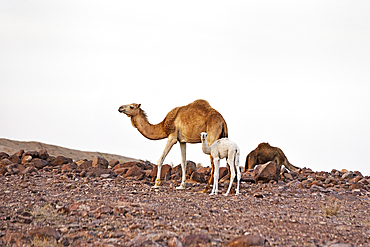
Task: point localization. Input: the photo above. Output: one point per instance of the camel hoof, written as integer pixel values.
(155, 186)
(226, 194)
(180, 187)
(204, 191)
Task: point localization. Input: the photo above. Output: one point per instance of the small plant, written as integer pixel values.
(332, 209)
(46, 212)
(45, 242)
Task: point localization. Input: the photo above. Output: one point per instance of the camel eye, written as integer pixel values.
(132, 107)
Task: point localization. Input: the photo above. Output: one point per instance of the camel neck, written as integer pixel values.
(153, 132)
(206, 149)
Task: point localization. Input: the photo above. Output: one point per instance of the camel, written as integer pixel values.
(220, 149)
(264, 153)
(182, 124)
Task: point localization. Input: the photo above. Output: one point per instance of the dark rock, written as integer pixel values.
(34, 154)
(43, 154)
(113, 163)
(69, 166)
(166, 169)
(29, 170)
(3, 155)
(84, 164)
(198, 177)
(26, 159)
(38, 163)
(134, 172)
(5, 162)
(197, 240)
(59, 161)
(100, 162)
(267, 172)
(248, 176)
(190, 168)
(15, 159)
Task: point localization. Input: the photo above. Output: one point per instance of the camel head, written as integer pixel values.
(130, 110)
(203, 136)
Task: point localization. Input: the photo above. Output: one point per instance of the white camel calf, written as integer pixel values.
(220, 149)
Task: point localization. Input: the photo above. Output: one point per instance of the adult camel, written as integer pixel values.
(182, 124)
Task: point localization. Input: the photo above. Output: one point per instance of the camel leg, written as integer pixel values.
(239, 175)
(183, 166)
(211, 177)
(230, 161)
(215, 179)
(171, 141)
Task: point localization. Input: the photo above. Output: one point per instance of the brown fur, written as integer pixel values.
(184, 124)
(265, 153)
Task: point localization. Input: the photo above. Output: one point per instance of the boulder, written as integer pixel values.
(38, 163)
(113, 163)
(134, 172)
(3, 155)
(69, 166)
(100, 162)
(43, 154)
(190, 168)
(15, 159)
(196, 240)
(84, 164)
(166, 170)
(5, 162)
(59, 161)
(248, 176)
(198, 177)
(267, 172)
(26, 159)
(34, 154)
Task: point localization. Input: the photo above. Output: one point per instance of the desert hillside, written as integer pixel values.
(11, 147)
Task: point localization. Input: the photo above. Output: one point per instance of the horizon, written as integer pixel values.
(293, 74)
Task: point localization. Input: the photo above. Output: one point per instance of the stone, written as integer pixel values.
(223, 173)
(248, 176)
(348, 175)
(196, 240)
(288, 176)
(97, 172)
(247, 240)
(38, 163)
(5, 162)
(100, 162)
(59, 161)
(69, 166)
(45, 232)
(190, 168)
(43, 154)
(267, 172)
(105, 210)
(166, 169)
(198, 177)
(15, 159)
(26, 159)
(29, 170)
(34, 154)
(113, 163)
(85, 164)
(3, 155)
(134, 172)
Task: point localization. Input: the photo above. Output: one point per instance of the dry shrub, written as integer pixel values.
(332, 209)
(45, 213)
(45, 242)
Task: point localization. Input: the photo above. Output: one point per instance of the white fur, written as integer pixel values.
(220, 149)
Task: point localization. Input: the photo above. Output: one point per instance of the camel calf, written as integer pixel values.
(220, 149)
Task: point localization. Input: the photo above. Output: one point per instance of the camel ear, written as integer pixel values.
(138, 105)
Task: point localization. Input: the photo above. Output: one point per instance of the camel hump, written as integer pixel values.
(201, 102)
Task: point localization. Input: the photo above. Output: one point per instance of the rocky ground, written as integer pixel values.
(55, 201)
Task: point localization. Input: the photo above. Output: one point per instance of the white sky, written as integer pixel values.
(295, 74)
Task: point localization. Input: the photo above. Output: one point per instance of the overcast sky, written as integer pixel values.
(295, 74)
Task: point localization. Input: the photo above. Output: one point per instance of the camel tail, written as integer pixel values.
(224, 133)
